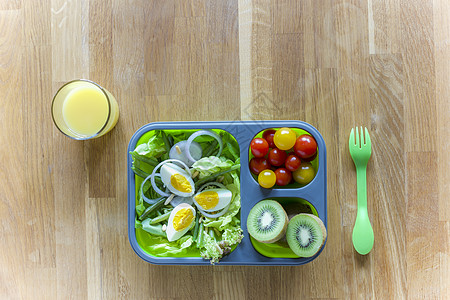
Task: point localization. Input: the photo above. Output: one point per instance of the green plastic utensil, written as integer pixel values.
(360, 150)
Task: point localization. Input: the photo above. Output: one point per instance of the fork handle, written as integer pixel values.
(361, 188)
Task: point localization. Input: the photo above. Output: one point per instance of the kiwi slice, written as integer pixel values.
(267, 221)
(306, 234)
(295, 208)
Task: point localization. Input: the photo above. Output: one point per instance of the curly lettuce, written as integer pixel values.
(227, 227)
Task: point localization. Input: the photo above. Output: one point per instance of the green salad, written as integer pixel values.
(187, 193)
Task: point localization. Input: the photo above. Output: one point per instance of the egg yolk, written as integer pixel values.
(180, 183)
(182, 219)
(207, 199)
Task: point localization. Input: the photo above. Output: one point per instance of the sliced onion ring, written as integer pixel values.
(155, 187)
(218, 184)
(195, 150)
(178, 200)
(141, 192)
(199, 133)
(152, 176)
(214, 216)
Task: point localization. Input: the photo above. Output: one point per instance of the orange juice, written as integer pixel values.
(82, 109)
(85, 111)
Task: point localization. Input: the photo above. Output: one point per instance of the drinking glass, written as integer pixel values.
(82, 110)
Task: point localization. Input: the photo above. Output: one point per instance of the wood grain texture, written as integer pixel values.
(423, 225)
(442, 67)
(441, 18)
(383, 64)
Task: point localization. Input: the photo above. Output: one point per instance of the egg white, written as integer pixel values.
(168, 170)
(172, 233)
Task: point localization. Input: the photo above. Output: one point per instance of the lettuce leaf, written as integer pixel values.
(214, 250)
(161, 247)
(233, 234)
(212, 164)
(153, 148)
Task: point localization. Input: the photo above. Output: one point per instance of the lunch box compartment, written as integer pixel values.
(280, 249)
(315, 162)
(143, 239)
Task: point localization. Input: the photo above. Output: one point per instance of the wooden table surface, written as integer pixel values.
(383, 64)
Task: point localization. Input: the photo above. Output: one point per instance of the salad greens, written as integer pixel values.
(210, 238)
(206, 166)
(153, 148)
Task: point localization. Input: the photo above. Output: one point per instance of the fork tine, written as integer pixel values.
(351, 140)
(357, 138)
(367, 137)
(361, 133)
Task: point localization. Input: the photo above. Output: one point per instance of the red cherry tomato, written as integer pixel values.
(284, 176)
(292, 162)
(259, 147)
(268, 136)
(305, 146)
(258, 164)
(277, 157)
(311, 158)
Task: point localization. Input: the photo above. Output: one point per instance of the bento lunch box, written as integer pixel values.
(248, 252)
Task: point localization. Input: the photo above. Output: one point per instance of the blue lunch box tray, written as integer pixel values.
(251, 193)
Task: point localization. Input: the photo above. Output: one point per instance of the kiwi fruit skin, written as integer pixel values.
(295, 208)
(281, 234)
(292, 243)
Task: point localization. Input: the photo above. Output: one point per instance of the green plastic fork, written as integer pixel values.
(360, 150)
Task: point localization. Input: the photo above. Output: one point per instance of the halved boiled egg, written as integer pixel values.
(177, 180)
(181, 219)
(213, 199)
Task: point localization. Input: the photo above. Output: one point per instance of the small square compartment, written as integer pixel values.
(280, 249)
(315, 162)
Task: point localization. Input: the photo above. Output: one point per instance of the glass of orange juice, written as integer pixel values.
(82, 109)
